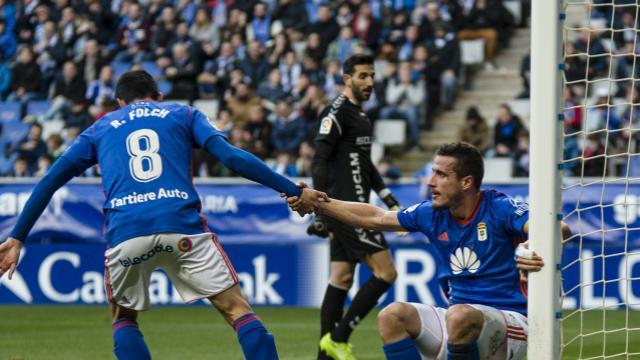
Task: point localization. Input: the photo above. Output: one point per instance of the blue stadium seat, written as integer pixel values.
(38, 107)
(165, 87)
(9, 111)
(13, 131)
(119, 68)
(152, 69)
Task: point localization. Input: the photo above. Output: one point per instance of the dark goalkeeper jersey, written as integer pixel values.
(342, 163)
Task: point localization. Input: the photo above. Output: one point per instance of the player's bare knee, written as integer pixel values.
(342, 280)
(387, 275)
(464, 324)
(391, 321)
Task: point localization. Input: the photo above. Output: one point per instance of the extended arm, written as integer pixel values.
(249, 166)
(361, 215)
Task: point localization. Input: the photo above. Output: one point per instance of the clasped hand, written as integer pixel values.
(308, 201)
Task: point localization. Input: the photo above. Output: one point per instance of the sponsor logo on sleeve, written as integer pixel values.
(325, 126)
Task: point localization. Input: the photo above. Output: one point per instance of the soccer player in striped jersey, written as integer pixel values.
(475, 234)
(153, 212)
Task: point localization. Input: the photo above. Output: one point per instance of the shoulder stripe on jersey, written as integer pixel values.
(335, 121)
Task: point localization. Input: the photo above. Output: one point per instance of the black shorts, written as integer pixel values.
(354, 244)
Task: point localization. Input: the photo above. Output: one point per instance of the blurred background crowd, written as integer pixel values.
(262, 70)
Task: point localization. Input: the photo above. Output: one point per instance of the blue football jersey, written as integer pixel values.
(144, 153)
(476, 256)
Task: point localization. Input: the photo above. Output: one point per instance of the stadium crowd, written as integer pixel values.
(601, 97)
(267, 67)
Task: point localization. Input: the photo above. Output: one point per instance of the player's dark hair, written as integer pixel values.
(137, 84)
(469, 160)
(349, 65)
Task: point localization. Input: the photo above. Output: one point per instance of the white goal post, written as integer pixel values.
(545, 178)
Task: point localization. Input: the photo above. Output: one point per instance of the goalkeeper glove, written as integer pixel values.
(394, 205)
(318, 227)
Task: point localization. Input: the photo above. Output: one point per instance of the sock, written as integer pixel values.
(366, 298)
(463, 351)
(256, 342)
(331, 312)
(403, 349)
(128, 342)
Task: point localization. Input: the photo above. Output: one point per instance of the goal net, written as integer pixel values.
(600, 162)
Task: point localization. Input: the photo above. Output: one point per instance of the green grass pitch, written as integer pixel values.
(76, 332)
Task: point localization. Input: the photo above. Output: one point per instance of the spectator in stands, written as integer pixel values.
(215, 76)
(305, 157)
(573, 112)
(164, 32)
(133, 36)
(408, 42)
(404, 98)
(344, 46)
(601, 115)
(479, 24)
(51, 51)
(26, 78)
(103, 22)
(55, 146)
(91, 61)
(475, 130)
(224, 122)
(182, 73)
(443, 64)
(8, 14)
(240, 104)
(289, 128)
(8, 43)
(365, 27)
(67, 89)
(255, 65)
(387, 169)
(505, 132)
(593, 163)
(311, 105)
(31, 147)
(525, 75)
(589, 42)
(20, 168)
(259, 27)
(315, 49)
(521, 156)
(102, 88)
(5, 76)
(326, 25)
(44, 163)
(68, 26)
(284, 165)
(205, 32)
(292, 15)
(333, 80)
(271, 90)
(260, 130)
(79, 116)
(290, 70)
(279, 47)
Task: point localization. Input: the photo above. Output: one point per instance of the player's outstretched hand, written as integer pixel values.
(527, 260)
(9, 255)
(308, 201)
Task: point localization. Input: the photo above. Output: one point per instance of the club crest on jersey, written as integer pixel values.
(184, 245)
(482, 231)
(325, 126)
(464, 259)
(444, 237)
